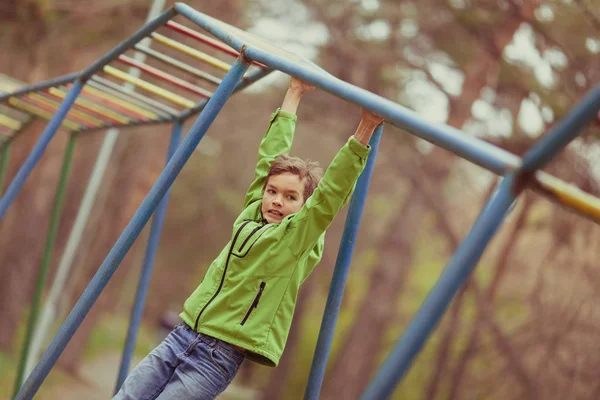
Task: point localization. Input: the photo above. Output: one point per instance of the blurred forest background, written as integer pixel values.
(527, 324)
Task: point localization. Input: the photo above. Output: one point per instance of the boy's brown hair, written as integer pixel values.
(309, 172)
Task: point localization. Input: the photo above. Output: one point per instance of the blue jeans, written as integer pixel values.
(186, 365)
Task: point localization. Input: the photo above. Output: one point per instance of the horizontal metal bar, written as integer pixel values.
(41, 86)
(125, 106)
(9, 122)
(24, 105)
(55, 93)
(172, 97)
(52, 108)
(190, 51)
(88, 103)
(140, 97)
(75, 111)
(207, 40)
(473, 149)
(128, 43)
(178, 64)
(131, 124)
(180, 83)
(567, 195)
(13, 113)
(563, 132)
(123, 97)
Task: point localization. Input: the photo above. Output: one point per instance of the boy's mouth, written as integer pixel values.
(275, 213)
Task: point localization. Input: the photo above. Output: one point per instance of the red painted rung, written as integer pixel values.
(164, 76)
(208, 40)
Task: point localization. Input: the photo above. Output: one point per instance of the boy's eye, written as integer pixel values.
(271, 191)
(291, 197)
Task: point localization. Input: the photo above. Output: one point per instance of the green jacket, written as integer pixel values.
(248, 295)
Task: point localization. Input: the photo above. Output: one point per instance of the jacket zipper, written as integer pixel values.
(249, 236)
(250, 247)
(254, 302)
(222, 277)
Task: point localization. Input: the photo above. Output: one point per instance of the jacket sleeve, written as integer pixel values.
(277, 140)
(330, 196)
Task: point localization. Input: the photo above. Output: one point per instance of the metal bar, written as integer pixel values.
(76, 110)
(131, 124)
(132, 230)
(121, 106)
(452, 279)
(129, 99)
(190, 51)
(147, 100)
(180, 83)
(563, 132)
(340, 274)
(40, 112)
(41, 86)
(52, 106)
(125, 45)
(95, 112)
(92, 105)
(56, 291)
(206, 40)
(38, 149)
(4, 157)
(9, 122)
(178, 64)
(172, 97)
(148, 266)
(47, 256)
(475, 150)
(246, 81)
(567, 195)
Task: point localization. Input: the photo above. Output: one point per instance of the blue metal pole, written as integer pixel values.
(133, 229)
(473, 149)
(563, 132)
(454, 276)
(148, 266)
(39, 148)
(340, 274)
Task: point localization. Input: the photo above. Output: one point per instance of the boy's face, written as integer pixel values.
(283, 196)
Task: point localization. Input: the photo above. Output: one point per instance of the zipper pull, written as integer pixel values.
(260, 290)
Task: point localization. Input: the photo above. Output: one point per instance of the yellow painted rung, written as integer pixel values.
(40, 112)
(76, 113)
(10, 123)
(182, 101)
(92, 106)
(121, 102)
(215, 62)
(569, 195)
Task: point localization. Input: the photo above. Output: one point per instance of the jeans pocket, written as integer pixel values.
(228, 366)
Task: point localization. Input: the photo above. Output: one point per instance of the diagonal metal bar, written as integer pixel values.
(38, 149)
(452, 279)
(44, 266)
(132, 230)
(147, 267)
(340, 274)
(563, 132)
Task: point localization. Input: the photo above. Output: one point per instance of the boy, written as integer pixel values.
(243, 308)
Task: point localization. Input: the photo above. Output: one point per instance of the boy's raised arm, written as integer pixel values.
(278, 138)
(337, 185)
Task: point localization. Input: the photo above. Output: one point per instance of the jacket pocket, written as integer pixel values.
(254, 303)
